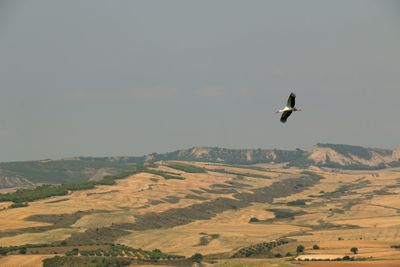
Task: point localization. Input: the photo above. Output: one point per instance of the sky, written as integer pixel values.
(109, 78)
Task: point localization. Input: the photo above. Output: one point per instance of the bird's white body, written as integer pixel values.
(289, 108)
(285, 109)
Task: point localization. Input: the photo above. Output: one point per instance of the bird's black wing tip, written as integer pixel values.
(285, 116)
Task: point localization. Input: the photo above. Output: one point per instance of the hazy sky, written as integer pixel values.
(101, 78)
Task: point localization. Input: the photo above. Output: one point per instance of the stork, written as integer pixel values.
(286, 111)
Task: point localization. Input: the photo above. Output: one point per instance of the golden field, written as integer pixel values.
(344, 209)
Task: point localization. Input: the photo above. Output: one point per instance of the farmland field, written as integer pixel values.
(184, 208)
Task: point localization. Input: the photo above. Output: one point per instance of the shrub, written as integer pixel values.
(84, 253)
(253, 219)
(300, 249)
(299, 202)
(354, 250)
(18, 205)
(315, 247)
(68, 253)
(197, 257)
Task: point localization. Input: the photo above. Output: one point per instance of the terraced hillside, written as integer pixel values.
(228, 213)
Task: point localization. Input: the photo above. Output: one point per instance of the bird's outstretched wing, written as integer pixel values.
(285, 115)
(291, 100)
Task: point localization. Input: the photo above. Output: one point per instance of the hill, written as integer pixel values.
(75, 170)
(247, 215)
(322, 155)
(80, 169)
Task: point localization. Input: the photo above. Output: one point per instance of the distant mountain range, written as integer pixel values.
(78, 169)
(321, 155)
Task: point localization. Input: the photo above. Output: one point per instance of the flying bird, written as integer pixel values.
(286, 111)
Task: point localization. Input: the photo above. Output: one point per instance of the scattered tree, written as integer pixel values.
(300, 249)
(354, 250)
(346, 258)
(197, 257)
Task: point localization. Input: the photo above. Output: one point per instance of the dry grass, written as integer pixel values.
(37, 238)
(122, 202)
(254, 263)
(379, 263)
(232, 226)
(23, 260)
(4, 205)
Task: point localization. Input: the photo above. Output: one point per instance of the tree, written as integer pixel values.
(197, 257)
(354, 250)
(346, 258)
(22, 251)
(75, 251)
(300, 249)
